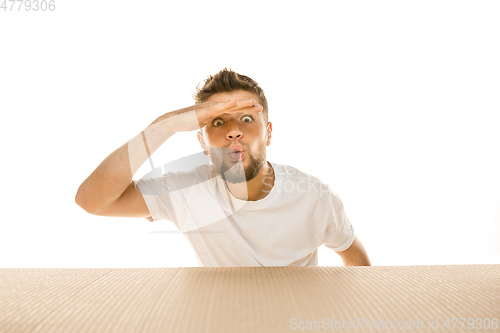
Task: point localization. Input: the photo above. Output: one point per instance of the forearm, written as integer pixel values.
(358, 261)
(355, 255)
(113, 175)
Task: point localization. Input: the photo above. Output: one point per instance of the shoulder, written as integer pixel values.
(291, 172)
(303, 181)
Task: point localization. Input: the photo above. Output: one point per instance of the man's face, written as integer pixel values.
(246, 130)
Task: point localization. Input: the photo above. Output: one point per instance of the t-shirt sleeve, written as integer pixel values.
(340, 232)
(157, 197)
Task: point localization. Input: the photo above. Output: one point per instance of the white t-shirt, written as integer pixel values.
(285, 228)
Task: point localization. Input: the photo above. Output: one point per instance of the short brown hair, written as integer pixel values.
(227, 81)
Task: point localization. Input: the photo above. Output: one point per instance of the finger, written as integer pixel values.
(220, 106)
(249, 105)
(244, 103)
(254, 108)
(230, 104)
(238, 105)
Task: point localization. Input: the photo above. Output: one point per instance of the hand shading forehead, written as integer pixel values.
(237, 94)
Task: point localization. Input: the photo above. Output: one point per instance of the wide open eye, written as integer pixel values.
(217, 121)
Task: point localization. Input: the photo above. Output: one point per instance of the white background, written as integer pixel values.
(394, 104)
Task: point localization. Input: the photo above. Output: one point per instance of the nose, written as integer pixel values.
(233, 131)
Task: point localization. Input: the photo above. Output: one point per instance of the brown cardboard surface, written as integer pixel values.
(250, 299)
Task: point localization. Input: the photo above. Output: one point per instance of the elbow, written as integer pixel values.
(79, 197)
(80, 201)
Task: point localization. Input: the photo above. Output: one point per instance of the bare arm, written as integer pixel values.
(114, 174)
(111, 181)
(355, 255)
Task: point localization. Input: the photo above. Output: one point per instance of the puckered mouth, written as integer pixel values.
(235, 149)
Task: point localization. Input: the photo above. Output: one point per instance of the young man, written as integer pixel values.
(237, 209)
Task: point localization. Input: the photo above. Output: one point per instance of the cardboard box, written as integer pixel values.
(251, 299)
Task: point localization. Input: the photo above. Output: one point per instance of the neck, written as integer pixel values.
(255, 189)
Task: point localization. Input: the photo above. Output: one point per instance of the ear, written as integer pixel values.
(202, 142)
(268, 132)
